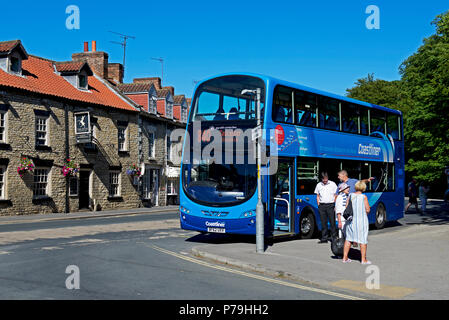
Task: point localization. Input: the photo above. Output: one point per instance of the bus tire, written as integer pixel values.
(307, 225)
(381, 216)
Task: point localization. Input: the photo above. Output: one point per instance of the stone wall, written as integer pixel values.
(21, 132)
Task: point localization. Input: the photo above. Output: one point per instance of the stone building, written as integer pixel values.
(42, 102)
(160, 157)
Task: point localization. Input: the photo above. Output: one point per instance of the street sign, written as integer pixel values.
(82, 127)
(84, 138)
(82, 122)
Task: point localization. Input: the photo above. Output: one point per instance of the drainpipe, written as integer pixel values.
(67, 154)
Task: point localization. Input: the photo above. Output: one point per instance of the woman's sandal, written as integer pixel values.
(346, 261)
(366, 262)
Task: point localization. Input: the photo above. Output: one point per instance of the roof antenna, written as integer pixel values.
(123, 43)
(161, 60)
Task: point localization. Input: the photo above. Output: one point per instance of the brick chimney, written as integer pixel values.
(97, 60)
(156, 81)
(115, 72)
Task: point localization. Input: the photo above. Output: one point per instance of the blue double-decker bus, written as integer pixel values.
(306, 132)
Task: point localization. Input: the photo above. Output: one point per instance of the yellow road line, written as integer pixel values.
(254, 276)
(384, 290)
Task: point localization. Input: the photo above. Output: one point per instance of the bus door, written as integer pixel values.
(282, 188)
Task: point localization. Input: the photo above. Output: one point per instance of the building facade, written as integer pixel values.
(42, 102)
(160, 155)
(74, 137)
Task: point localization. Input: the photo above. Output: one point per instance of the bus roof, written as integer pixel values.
(274, 81)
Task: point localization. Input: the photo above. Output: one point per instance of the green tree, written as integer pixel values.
(422, 95)
(425, 84)
(376, 91)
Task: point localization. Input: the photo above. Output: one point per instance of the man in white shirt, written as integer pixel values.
(325, 191)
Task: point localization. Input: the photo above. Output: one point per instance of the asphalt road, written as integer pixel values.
(139, 264)
(142, 256)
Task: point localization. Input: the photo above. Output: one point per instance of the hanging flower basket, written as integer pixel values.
(26, 165)
(134, 171)
(70, 168)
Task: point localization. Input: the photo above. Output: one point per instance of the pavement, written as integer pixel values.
(84, 214)
(409, 259)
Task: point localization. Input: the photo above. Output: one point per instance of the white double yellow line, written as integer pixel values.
(254, 276)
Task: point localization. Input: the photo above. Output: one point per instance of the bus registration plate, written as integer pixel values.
(216, 230)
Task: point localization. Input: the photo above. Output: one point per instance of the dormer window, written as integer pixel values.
(76, 73)
(12, 54)
(82, 81)
(15, 65)
(169, 109)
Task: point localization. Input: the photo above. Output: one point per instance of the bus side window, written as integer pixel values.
(349, 118)
(377, 118)
(380, 173)
(305, 108)
(282, 106)
(329, 113)
(364, 125)
(307, 176)
(393, 126)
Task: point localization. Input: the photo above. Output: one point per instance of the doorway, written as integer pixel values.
(84, 187)
(282, 188)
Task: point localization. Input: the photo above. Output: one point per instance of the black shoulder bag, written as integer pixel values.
(348, 213)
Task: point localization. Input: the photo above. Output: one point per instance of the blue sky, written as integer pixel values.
(321, 44)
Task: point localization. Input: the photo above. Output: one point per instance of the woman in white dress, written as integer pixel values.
(357, 227)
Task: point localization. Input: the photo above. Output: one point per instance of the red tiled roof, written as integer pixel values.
(162, 93)
(69, 66)
(134, 87)
(40, 77)
(7, 46)
(178, 99)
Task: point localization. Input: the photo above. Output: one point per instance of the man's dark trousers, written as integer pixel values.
(327, 213)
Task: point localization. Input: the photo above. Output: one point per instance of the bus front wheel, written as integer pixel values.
(307, 225)
(381, 216)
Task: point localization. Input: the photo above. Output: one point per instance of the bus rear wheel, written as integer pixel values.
(381, 216)
(307, 225)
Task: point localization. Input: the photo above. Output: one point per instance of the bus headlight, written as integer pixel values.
(247, 214)
(184, 210)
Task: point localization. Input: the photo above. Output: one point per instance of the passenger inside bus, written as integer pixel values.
(219, 114)
(233, 114)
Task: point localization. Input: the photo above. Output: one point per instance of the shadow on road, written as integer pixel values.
(437, 213)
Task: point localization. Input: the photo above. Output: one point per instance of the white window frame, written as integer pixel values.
(183, 114)
(169, 145)
(169, 109)
(152, 154)
(3, 170)
(37, 172)
(4, 126)
(71, 193)
(122, 145)
(113, 183)
(46, 132)
(171, 185)
(152, 104)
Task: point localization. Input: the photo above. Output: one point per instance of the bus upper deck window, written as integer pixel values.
(305, 108)
(349, 118)
(282, 106)
(393, 126)
(329, 113)
(364, 123)
(377, 118)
